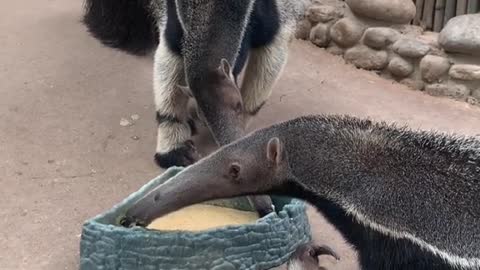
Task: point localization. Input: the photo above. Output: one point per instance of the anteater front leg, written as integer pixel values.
(174, 145)
(265, 65)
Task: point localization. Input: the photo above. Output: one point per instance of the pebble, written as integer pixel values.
(346, 32)
(303, 29)
(413, 84)
(430, 38)
(323, 13)
(135, 138)
(400, 67)
(364, 57)
(124, 122)
(394, 11)
(476, 93)
(434, 67)
(465, 72)
(473, 101)
(334, 49)
(462, 34)
(135, 117)
(456, 91)
(409, 47)
(380, 37)
(319, 35)
(408, 30)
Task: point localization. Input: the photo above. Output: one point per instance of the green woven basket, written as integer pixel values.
(262, 245)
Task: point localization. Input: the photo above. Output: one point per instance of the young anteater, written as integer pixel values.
(192, 39)
(404, 199)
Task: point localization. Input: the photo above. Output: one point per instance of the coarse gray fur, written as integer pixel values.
(211, 27)
(225, 24)
(404, 199)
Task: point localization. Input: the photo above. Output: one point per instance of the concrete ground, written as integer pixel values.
(64, 156)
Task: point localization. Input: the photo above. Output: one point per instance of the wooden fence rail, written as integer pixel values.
(433, 15)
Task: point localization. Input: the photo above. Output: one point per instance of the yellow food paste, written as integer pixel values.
(201, 217)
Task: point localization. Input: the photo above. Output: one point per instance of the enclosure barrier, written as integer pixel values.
(433, 15)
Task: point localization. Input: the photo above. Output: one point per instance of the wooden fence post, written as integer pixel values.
(473, 6)
(418, 15)
(439, 15)
(428, 11)
(461, 7)
(450, 9)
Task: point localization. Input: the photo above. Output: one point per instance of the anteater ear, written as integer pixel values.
(226, 67)
(275, 150)
(185, 90)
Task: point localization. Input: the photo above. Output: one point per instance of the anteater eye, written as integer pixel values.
(234, 171)
(238, 107)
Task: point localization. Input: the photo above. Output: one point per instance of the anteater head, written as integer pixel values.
(246, 167)
(220, 103)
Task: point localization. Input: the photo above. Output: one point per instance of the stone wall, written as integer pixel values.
(377, 35)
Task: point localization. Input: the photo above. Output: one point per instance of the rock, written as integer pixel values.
(408, 30)
(346, 32)
(319, 35)
(413, 84)
(473, 101)
(465, 72)
(400, 67)
(380, 37)
(456, 91)
(462, 34)
(394, 11)
(435, 48)
(135, 138)
(433, 67)
(438, 52)
(323, 2)
(335, 3)
(340, 6)
(334, 49)
(364, 57)
(476, 94)
(124, 122)
(429, 38)
(323, 13)
(135, 117)
(412, 48)
(303, 29)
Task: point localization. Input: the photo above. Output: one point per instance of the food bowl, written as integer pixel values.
(267, 243)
